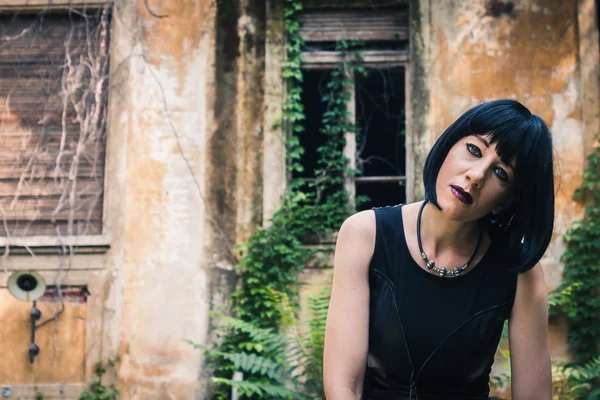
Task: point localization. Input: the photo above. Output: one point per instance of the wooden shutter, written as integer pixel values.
(53, 104)
(368, 25)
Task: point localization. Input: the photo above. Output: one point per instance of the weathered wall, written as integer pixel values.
(62, 346)
(589, 67)
(274, 144)
(187, 121)
(161, 58)
(183, 187)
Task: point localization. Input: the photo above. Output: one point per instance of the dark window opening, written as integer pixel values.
(71, 294)
(314, 88)
(381, 140)
(366, 45)
(380, 135)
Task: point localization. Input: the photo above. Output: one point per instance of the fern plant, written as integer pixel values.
(572, 381)
(279, 364)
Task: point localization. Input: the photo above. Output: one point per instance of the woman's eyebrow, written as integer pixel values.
(487, 144)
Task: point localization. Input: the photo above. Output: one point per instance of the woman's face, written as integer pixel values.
(473, 180)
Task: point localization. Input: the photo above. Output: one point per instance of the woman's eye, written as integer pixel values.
(473, 150)
(502, 174)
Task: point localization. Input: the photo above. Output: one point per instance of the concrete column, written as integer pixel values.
(274, 135)
(157, 213)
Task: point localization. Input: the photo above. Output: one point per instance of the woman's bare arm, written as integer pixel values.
(347, 330)
(528, 338)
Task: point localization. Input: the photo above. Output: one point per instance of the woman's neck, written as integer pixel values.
(441, 235)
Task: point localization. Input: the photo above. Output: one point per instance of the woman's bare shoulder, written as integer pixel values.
(362, 224)
(356, 242)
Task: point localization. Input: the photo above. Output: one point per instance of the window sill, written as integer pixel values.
(34, 245)
(38, 5)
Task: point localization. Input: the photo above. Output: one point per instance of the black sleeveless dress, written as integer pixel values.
(432, 338)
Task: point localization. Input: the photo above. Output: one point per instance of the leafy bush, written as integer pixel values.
(284, 363)
(97, 390)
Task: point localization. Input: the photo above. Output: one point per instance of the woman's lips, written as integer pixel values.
(461, 195)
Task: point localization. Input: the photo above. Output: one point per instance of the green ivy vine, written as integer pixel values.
(273, 256)
(97, 390)
(579, 293)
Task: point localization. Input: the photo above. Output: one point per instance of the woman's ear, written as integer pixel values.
(509, 200)
(498, 209)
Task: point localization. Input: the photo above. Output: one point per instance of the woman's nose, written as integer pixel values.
(476, 175)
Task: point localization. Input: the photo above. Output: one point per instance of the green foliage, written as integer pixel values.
(574, 381)
(38, 395)
(279, 364)
(332, 164)
(500, 380)
(293, 109)
(273, 256)
(578, 295)
(97, 390)
(578, 298)
(560, 297)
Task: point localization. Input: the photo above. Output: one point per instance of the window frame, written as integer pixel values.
(58, 5)
(327, 60)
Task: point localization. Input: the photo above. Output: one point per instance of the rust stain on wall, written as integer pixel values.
(156, 375)
(173, 31)
(221, 176)
(251, 31)
(146, 192)
(477, 57)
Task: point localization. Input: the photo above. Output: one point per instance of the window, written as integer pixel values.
(378, 146)
(53, 113)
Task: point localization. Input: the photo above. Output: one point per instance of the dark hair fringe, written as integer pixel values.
(528, 224)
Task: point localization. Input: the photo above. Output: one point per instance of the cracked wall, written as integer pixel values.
(186, 142)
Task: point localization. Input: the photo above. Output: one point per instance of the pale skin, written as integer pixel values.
(448, 237)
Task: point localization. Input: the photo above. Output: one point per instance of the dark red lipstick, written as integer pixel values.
(461, 195)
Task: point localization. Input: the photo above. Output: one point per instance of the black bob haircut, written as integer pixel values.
(528, 223)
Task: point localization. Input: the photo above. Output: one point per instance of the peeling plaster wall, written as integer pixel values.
(589, 60)
(186, 153)
(251, 87)
(159, 126)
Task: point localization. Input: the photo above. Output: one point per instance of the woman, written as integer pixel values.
(421, 291)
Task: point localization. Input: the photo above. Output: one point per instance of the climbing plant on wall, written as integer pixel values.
(272, 257)
(578, 297)
(582, 268)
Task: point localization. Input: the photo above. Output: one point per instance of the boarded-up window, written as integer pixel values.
(53, 112)
(343, 24)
